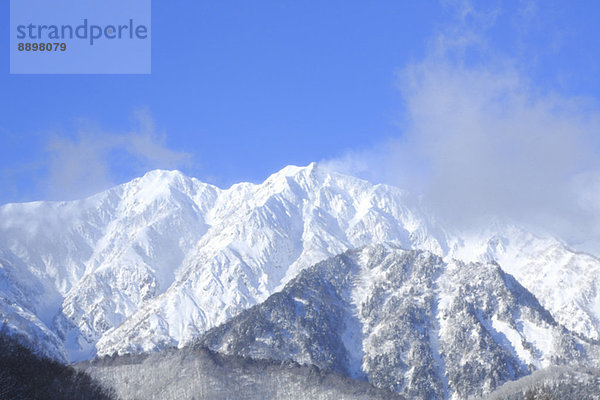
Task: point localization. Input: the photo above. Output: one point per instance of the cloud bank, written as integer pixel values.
(481, 140)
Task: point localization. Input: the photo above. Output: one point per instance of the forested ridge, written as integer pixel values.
(27, 376)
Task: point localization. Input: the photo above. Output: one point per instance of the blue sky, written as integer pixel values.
(240, 89)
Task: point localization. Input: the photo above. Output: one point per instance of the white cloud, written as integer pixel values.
(482, 140)
(91, 161)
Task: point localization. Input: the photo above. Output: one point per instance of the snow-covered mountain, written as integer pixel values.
(79, 268)
(407, 321)
(159, 260)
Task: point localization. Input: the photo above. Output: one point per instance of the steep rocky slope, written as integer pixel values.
(407, 321)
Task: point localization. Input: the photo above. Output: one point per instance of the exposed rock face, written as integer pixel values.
(407, 321)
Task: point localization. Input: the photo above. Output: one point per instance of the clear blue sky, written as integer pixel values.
(245, 88)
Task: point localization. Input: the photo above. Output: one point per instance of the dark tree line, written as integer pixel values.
(25, 375)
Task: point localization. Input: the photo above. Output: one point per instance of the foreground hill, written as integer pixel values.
(26, 376)
(198, 373)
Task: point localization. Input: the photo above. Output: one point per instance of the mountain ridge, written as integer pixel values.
(421, 326)
(159, 260)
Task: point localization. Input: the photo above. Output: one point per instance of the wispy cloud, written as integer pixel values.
(92, 159)
(482, 140)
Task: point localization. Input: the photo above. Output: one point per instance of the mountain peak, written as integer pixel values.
(161, 173)
(293, 170)
(163, 177)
